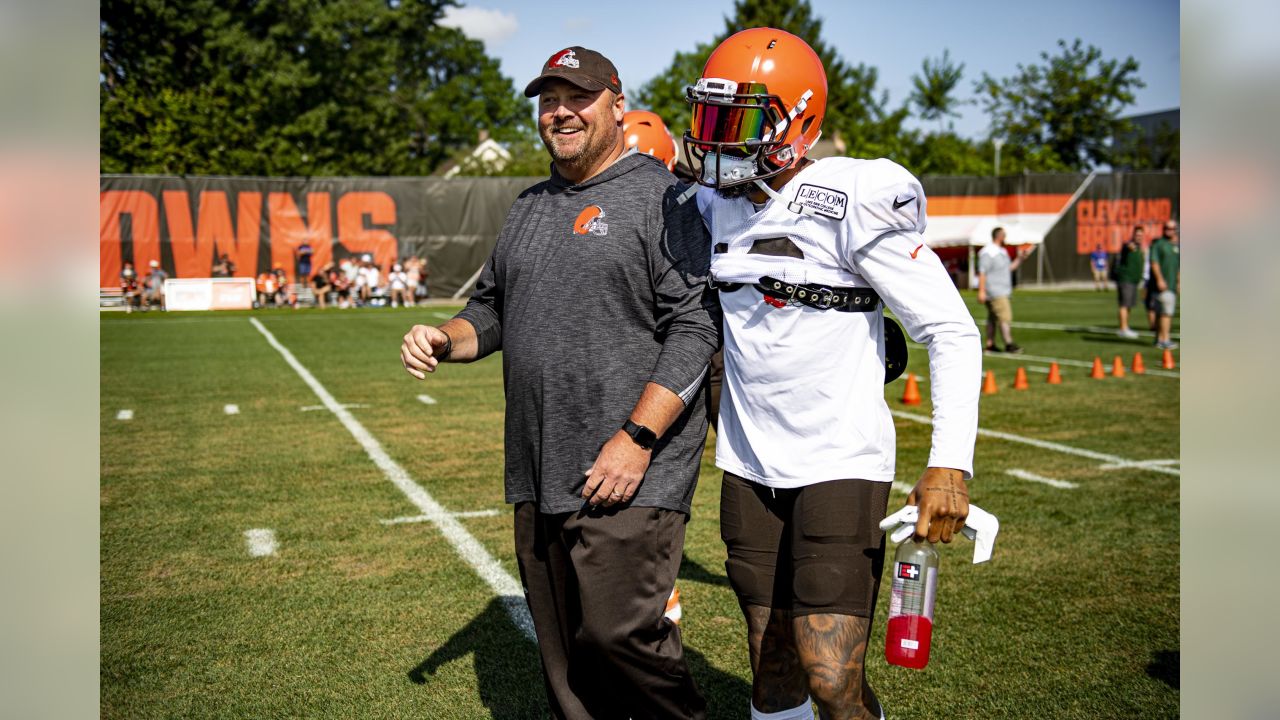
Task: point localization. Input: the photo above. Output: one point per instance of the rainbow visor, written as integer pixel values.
(733, 120)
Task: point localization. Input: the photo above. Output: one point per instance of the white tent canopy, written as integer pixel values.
(975, 230)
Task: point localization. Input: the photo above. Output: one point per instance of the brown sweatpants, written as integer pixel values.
(597, 584)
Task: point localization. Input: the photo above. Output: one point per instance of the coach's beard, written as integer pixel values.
(589, 147)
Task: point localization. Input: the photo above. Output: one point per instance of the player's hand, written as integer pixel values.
(982, 296)
(943, 500)
(1162, 286)
(419, 352)
(616, 474)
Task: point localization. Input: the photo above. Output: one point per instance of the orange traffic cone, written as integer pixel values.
(674, 611)
(1139, 367)
(989, 384)
(911, 396)
(1167, 361)
(1055, 375)
(1020, 380)
(1097, 373)
(1117, 367)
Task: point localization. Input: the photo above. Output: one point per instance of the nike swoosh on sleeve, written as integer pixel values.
(913, 252)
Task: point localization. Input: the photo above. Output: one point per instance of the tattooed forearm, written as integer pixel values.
(778, 680)
(832, 649)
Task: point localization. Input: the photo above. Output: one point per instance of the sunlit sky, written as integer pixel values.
(989, 36)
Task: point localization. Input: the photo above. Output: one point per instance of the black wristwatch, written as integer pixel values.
(641, 435)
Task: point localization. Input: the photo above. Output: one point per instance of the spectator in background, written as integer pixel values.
(398, 285)
(304, 260)
(362, 291)
(1128, 276)
(1098, 264)
(283, 293)
(368, 280)
(1166, 274)
(321, 285)
(995, 289)
(424, 271)
(220, 268)
(341, 284)
(267, 286)
(153, 295)
(413, 275)
(129, 287)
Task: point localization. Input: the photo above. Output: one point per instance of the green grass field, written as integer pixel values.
(1075, 617)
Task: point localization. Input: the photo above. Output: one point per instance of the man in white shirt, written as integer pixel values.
(995, 288)
(803, 254)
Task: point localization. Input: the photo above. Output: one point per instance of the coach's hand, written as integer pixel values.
(943, 500)
(616, 474)
(421, 350)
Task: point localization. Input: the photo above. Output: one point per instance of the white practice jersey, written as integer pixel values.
(803, 395)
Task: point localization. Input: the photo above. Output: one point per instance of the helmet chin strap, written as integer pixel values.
(764, 187)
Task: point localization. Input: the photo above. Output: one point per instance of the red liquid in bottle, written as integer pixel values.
(906, 643)
(909, 632)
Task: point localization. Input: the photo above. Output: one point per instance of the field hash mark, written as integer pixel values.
(508, 590)
(261, 542)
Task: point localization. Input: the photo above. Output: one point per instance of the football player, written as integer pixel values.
(646, 132)
(806, 254)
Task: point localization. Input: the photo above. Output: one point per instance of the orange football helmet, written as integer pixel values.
(646, 132)
(757, 109)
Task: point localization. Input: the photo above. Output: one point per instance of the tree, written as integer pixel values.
(945, 153)
(293, 87)
(1158, 150)
(1061, 115)
(856, 108)
(932, 91)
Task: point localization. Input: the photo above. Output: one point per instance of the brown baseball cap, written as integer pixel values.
(585, 68)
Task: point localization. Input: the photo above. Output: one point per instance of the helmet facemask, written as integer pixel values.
(738, 133)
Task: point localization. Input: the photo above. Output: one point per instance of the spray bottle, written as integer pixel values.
(909, 634)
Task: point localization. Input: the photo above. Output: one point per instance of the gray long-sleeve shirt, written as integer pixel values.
(592, 291)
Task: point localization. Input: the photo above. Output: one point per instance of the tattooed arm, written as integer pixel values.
(943, 499)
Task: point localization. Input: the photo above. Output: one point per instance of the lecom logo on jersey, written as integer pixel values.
(591, 222)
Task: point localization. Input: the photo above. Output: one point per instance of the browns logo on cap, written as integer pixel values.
(585, 68)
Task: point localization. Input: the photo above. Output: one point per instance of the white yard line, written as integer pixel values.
(427, 518)
(1083, 328)
(426, 400)
(1024, 475)
(261, 542)
(1080, 363)
(355, 314)
(442, 316)
(1155, 360)
(124, 415)
(902, 487)
(903, 378)
(231, 409)
(463, 542)
(1146, 464)
(1046, 445)
(478, 513)
(313, 408)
